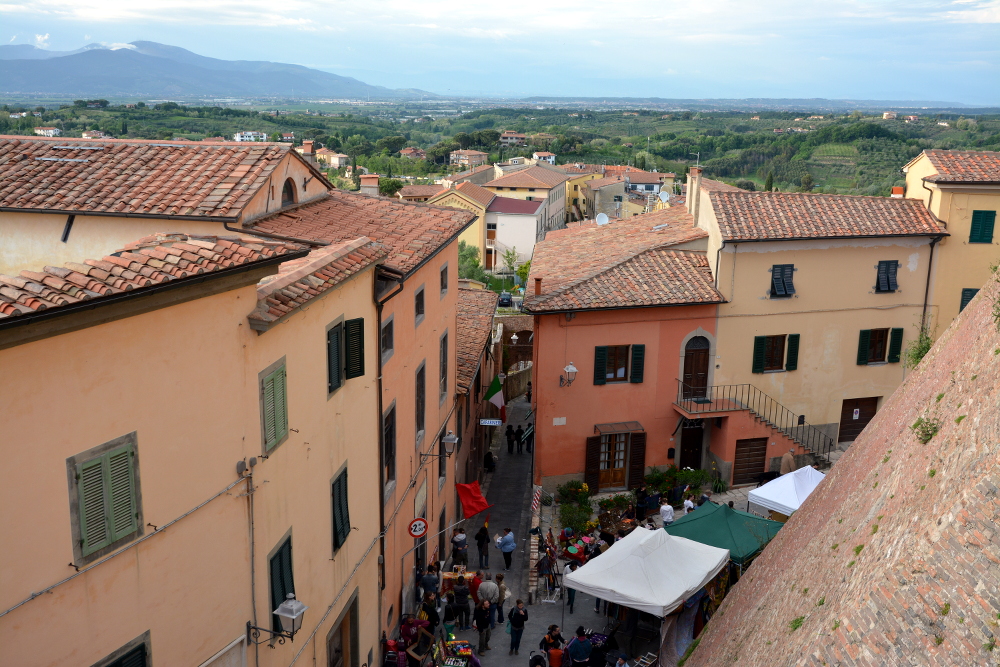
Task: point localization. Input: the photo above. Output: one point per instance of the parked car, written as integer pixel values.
(506, 300)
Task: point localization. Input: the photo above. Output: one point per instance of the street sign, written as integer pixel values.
(490, 422)
(418, 527)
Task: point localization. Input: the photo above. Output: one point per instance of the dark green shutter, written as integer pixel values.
(354, 348)
(792, 361)
(895, 345)
(967, 295)
(275, 408)
(864, 339)
(134, 658)
(341, 514)
(759, 350)
(882, 277)
(282, 582)
(333, 358)
(601, 364)
(893, 270)
(981, 230)
(777, 282)
(94, 530)
(638, 363)
(787, 272)
(121, 484)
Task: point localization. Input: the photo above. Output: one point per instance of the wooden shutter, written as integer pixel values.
(895, 345)
(121, 484)
(787, 274)
(341, 514)
(354, 348)
(333, 358)
(275, 408)
(759, 353)
(792, 361)
(638, 363)
(592, 467)
(134, 658)
(282, 582)
(882, 277)
(637, 460)
(892, 271)
(981, 230)
(967, 295)
(601, 364)
(94, 530)
(777, 282)
(864, 339)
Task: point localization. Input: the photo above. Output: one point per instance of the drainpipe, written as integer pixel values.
(927, 286)
(923, 184)
(718, 254)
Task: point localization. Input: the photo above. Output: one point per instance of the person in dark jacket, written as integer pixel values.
(517, 616)
(429, 582)
(519, 438)
(481, 618)
(450, 616)
(489, 465)
(509, 434)
(483, 542)
(429, 607)
(461, 591)
(580, 648)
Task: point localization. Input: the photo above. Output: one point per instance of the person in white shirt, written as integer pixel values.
(688, 503)
(666, 513)
(570, 567)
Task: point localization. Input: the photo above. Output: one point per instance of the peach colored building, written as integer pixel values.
(188, 459)
(477, 366)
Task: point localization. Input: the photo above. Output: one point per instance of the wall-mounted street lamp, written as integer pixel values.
(449, 441)
(513, 339)
(289, 613)
(570, 371)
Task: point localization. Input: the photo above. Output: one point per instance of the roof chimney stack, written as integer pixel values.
(538, 286)
(897, 192)
(307, 147)
(369, 184)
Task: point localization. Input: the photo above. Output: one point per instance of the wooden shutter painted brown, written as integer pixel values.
(759, 353)
(638, 363)
(895, 345)
(864, 341)
(637, 460)
(792, 361)
(354, 348)
(601, 364)
(592, 467)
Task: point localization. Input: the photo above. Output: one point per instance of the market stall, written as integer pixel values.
(784, 495)
(743, 534)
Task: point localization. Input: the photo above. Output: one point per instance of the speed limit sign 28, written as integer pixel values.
(418, 527)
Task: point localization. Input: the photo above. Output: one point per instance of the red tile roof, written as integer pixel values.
(298, 281)
(476, 193)
(760, 216)
(420, 190)
(127, 176)
(710, 185)
(145, 263)
(644, 176)
(469, 153)
(532, 177)
(964, 166)
(899, 542)
(411, 232)
(577, 264)
(474, 326)
(457, 177)
(599, 183)
(515, 206)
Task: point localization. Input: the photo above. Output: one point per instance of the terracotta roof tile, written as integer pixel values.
(644, 176)
(599, 183)
(511, 205)
(411, 232)
(474, 326)
(475, 192)
(462, 175)
(132, 268)
(300, 280)
(758, 216)
(190, 178)
(711, 185)
(420, 190)
(515, 323)
(532, 177)
(964, 166)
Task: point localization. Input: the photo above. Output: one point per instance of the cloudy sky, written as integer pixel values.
(873, 49)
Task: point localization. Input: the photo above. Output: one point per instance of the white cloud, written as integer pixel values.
(12, 39)
(87, 37)
(114, 46)
(42, 41)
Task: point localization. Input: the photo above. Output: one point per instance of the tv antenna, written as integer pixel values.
(664, 197)
(603, 219)
(697, 161)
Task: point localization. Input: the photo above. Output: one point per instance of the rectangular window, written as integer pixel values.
(389, 444)
(781, 281)
(444, 279)
(617, 365)
(420, 400)
(443, 380)
(618, 197)
(105, 486)
(418, 306)
(981, 230)
(576, 188)
(341, 513)
(442, 459)
(334, 358)
(967, 295)
(774, 353)
(280, 573)
(387, 340)
(354, 348)
(576, 201)
(274, 407)
(876, 346)
(885, 276)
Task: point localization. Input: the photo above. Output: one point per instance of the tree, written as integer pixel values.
(523, 271)
(464, 139)
(807, 182)
(769, 182)
(745, 184)
(486, 138)
(357, 145)
(389, 186)
(510, 259)
(391, 144)
(468, 263)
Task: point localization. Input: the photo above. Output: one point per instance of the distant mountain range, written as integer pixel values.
(148, 69)
(761, 103)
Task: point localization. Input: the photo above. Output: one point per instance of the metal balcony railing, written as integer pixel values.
(735, 397)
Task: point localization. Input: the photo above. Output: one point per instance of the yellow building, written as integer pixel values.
(576, 194)
(470, 197)
(536, 183)
(962, 189)
(195, 471)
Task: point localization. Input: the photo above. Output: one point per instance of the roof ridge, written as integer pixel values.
(313, 262)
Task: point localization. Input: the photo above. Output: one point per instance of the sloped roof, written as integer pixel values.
(511, 205)
(900, 541)
(712, 185)
(644, 176)
(469, 153)
(964, 166)
(599, 183)
(128, 176)
(145, 263)
(474, 326)
(457, 177)
(761, 216)
(411, 232)
(475, 192)
(532, 177)
(298, 281)
(420, 190)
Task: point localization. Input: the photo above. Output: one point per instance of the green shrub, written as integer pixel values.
(574, 491)
(618, 502)
(574, 516)
(661, 480)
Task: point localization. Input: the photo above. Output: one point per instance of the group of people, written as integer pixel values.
(460, 547)
(516, 437)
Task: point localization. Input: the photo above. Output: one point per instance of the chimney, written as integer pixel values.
(369, 184)
(307, 147)
(694, 193)
(897, 192)
(538, 286)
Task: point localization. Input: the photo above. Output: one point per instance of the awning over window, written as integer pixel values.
(618, 427)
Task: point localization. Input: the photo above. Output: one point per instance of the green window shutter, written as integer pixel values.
(893, 270)
(638, 363)
(275, 408)
(282, 583)
(792, 361)
(341, 514)
(967, 295)
(122, 492)
(354, 348)
(787, 273)
(864, 338)
(94, 530)
(268, 407)
(882, 277)
(895, 345)
(759, 348)
(601, 364)
(981, 230)
(777, 282)
(333, 358)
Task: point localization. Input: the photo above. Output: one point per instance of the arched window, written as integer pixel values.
(288, 193)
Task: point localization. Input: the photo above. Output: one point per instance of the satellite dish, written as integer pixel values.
(602, 219)
(664, 197)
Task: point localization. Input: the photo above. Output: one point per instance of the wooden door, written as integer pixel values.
(854, 416)
(614, 454)
(335, 648)
(691, 440)
(696, 359)
(751, 457)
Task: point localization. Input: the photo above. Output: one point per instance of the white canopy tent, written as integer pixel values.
(787, 493)
(649, 570)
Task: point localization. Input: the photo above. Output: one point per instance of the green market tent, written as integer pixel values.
(745, 535)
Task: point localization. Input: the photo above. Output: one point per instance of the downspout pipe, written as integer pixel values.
(927, 286)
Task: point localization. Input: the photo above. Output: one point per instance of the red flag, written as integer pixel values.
(471, 498)
(487, 522)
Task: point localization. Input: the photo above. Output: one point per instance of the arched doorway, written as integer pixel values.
(696, 356)
(288, 193)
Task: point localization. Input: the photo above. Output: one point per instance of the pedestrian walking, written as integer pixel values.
(580, 648)
(490, 592)
(666, 512)
(706, 497)
(481, 619)
(483, 542)
(430, 582)
(551, 644)
(509, 434)
(507, 546)
(640, 502)
(489, 463)
(787, 462)
(504, 594)
(571, 592)
(460, 547)
(652, 502)
(519, 438)
(518, 616)
(461, 592)
(450, 616)
(597, 601)
(688, 502)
